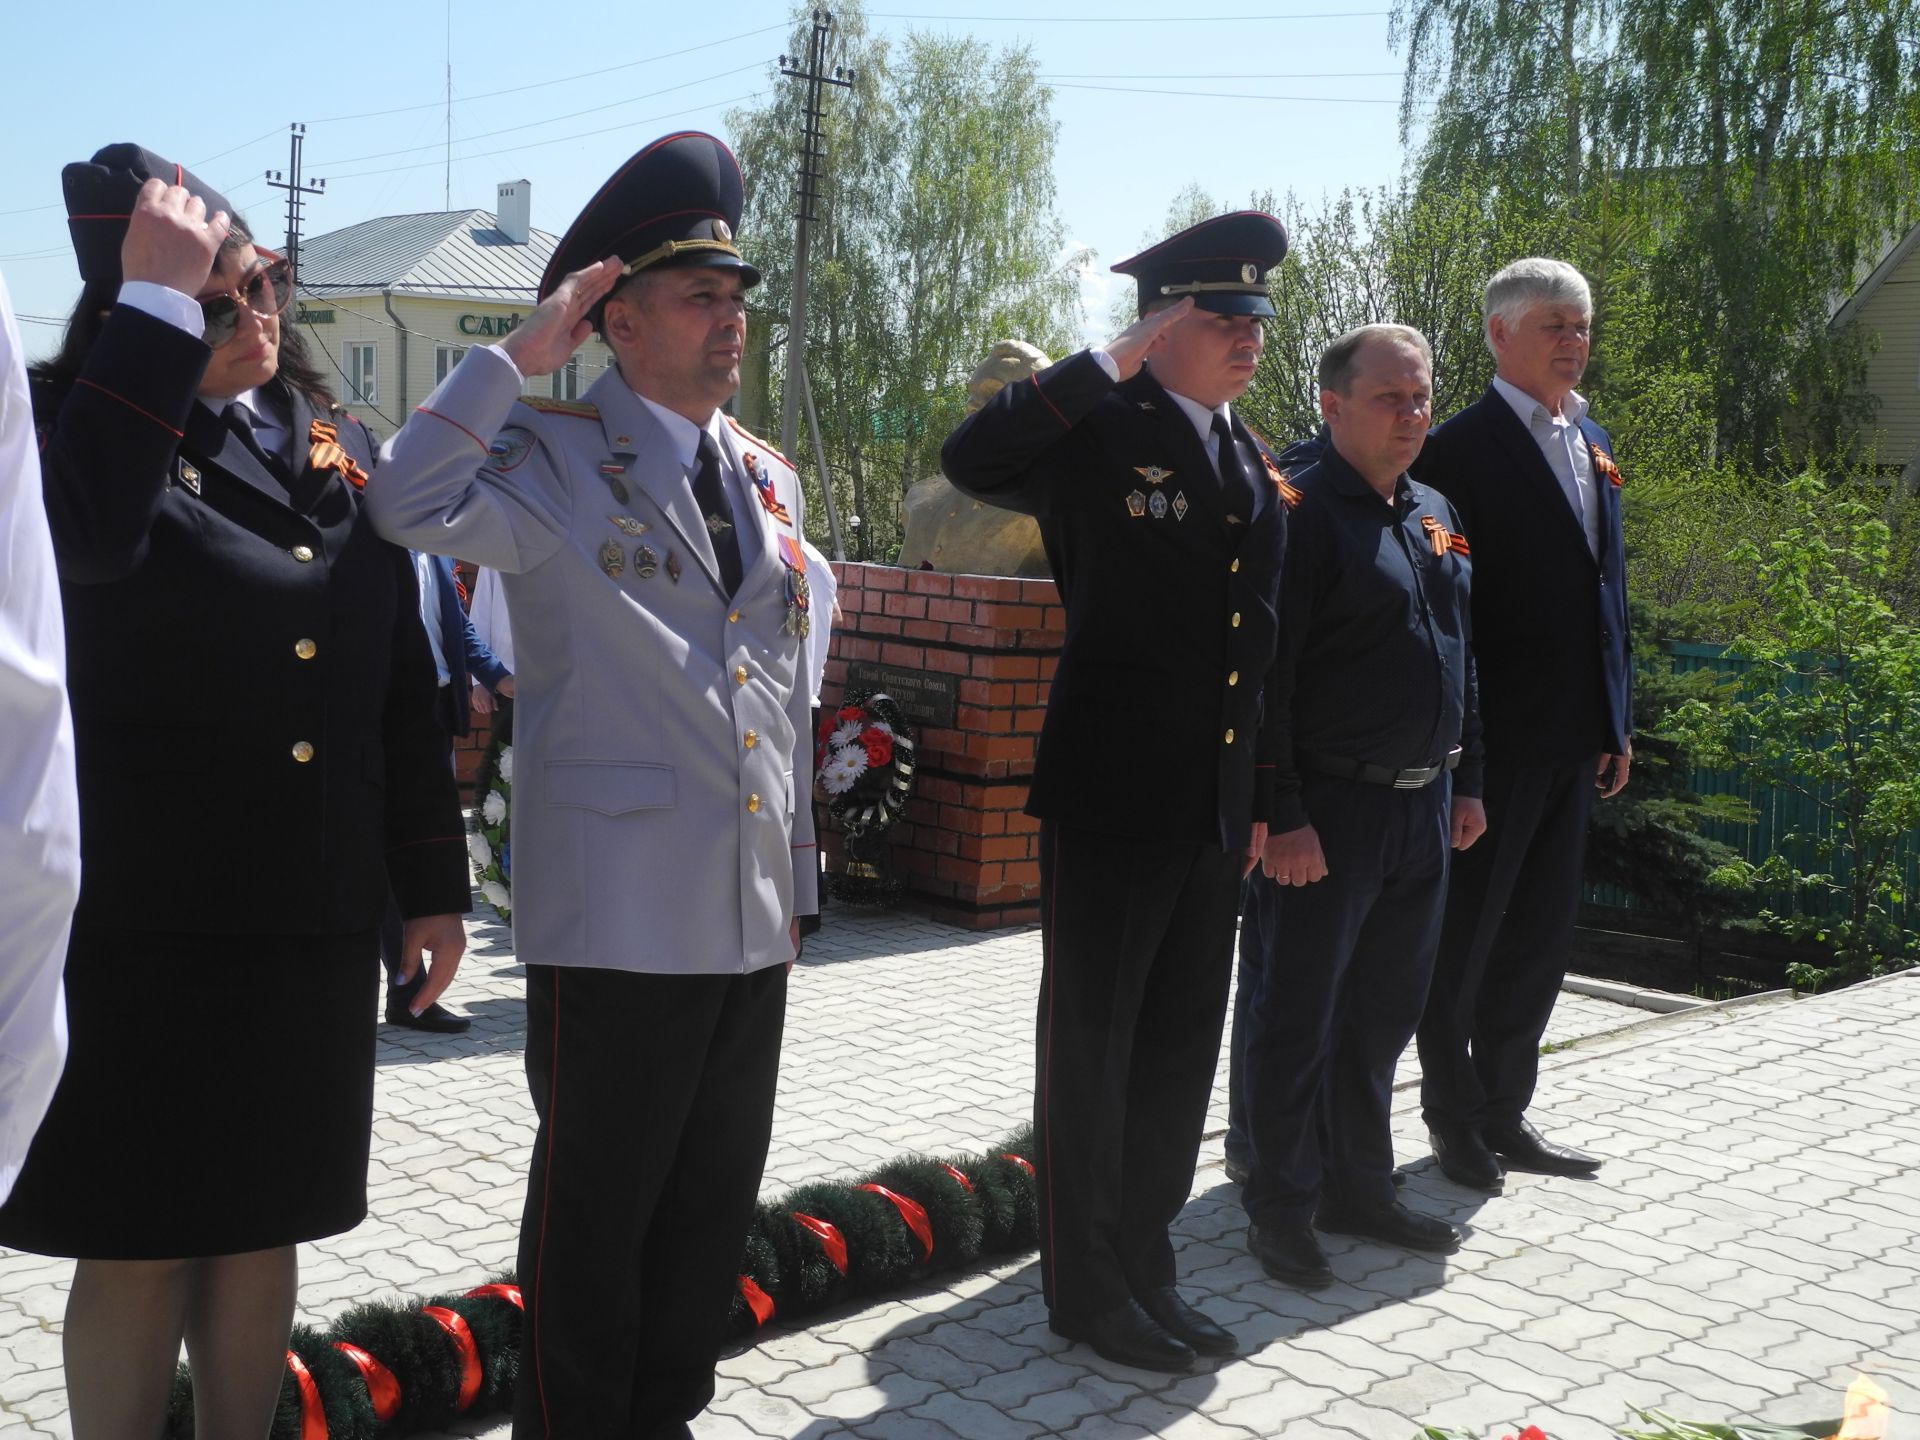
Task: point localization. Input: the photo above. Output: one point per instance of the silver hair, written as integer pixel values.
(1526, 283)
(1340, 359)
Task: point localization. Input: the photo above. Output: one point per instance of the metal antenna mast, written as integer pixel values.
(291, 183)
(813, 155)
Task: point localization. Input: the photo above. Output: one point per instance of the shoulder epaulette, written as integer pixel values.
(547, 405)
(747, 434)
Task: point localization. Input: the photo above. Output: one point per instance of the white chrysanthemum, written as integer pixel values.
(494, 808)
(845, 767)
(845, 735)
(506, 763)
(497, 895)
(480, 850)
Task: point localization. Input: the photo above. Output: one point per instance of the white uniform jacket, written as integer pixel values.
(661, 815)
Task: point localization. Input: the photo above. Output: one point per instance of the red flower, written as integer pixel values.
(879, 747)
(827, 724)
(1532, 1432)
(849, 712)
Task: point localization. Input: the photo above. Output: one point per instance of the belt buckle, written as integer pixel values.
(1413, 779)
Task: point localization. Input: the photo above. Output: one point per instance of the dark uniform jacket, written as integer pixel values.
(1152, 723)
(1374, 663)
(1550, 632)
(219, 629)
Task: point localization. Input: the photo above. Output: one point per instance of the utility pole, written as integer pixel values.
(813, 154)
(291, 183)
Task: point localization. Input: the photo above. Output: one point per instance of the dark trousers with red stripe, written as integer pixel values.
(655, 1097)
(1138, 944)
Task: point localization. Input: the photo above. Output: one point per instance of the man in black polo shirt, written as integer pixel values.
(1370, 708)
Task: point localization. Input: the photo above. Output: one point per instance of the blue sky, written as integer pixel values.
(1308, 104)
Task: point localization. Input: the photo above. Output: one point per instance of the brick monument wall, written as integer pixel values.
(988, 645)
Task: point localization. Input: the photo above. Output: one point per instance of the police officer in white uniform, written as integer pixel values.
(663, 844)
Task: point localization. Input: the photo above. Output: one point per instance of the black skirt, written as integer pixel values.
(217, 1098)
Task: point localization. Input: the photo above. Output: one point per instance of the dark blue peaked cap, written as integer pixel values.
(1222, 263)
(677, 202)
(100, 194)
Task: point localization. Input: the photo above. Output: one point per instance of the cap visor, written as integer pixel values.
(1224, 303)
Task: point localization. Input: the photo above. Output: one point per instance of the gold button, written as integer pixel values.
(734, 618)
(1229, 737)
(302, 553)
(753, 738)
(1233, 677)
(302, 751)
(739, 674)
(753, 804)
(1236, 619)
(1234, 568)
(305, 649)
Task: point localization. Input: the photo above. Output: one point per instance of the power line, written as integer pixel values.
(1130, 19)
(1216, 75)
(1235, 95)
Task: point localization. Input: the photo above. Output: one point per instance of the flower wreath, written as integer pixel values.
(864, 760)
(490, 846)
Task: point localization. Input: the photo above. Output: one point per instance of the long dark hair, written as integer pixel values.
(56, 376)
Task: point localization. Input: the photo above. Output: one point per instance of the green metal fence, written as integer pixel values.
(1776, 814)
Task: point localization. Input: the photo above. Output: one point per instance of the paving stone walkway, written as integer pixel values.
(1753, 1240)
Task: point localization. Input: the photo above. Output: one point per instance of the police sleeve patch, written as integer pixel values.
(508, 450)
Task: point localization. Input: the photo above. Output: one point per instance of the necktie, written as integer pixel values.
(240, 421)
(1234, 484)
(711, 495)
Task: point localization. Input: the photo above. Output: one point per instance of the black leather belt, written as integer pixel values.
(1343, 769)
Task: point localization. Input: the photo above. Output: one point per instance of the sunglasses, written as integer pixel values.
(265, 291)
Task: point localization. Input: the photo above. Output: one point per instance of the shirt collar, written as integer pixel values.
(1349, 481)
(682, 432)
(1200, 415)
(1573, 409)
(252, 401)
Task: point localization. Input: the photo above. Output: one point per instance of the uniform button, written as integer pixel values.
(1229, 737)
(1236, 619)
(305, 648)
(734, 618)
(753, 804)
(302, 751)
(1234, 568)
(302, 553)
(1233, 677)
(752, 738)
(739, 674)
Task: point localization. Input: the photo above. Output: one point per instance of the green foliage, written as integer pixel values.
(1826, 709)
(937, 238)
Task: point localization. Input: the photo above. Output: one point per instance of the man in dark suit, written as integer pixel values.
(1538, 491)
(464, 669)
(1164, 523)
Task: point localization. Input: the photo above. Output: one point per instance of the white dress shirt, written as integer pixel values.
(489, 615)
(1565, 448)
(685, 436)
(430, 612)
(39, 808)
(1199, 414)
(821, 588)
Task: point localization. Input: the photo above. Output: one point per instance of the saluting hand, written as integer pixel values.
(1132, 345)
(559, 324)
(171, 240)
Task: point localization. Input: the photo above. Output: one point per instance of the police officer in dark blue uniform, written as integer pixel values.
(1371, 708)
(1164, 524)
(258, 761)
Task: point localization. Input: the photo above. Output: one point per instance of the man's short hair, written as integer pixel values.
(1340, 359)
(1526, 283)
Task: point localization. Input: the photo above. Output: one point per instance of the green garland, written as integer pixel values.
(394, 1368)
(490, 844)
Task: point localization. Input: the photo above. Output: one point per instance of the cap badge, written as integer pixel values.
(722, 231)
(1250, 273)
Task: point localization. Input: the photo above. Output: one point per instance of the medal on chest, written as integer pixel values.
(799, 619)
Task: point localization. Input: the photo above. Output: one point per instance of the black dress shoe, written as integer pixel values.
(435, 1019)
(1180, 1320)
(1237, 1174)
(1290, 1253)
(1394, 1223)
(1465, 1159)
(1126, 1335)
(1524, 1148)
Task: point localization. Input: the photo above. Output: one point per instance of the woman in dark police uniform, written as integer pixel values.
(252, 701)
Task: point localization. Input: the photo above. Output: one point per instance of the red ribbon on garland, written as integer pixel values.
(758, 1301)
(965, 1184)
(831, 1240)
(912, 1213)
(382, 1389)
(455, 1325)
(509, 1293)
(1024, 1164)
(313, 1415)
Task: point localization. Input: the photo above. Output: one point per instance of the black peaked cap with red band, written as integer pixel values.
(676, 202)
(100, 194)
(1222, 263)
